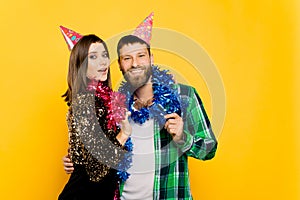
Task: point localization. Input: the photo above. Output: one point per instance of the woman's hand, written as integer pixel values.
(126, 129)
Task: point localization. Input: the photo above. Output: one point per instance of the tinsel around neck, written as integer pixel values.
(114, 103)
(165, 95)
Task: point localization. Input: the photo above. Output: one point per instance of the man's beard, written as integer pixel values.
(138, 81)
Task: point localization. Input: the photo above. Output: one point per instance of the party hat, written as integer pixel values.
(70, 36)
(144, 30)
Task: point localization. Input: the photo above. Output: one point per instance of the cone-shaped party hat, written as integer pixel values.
(144, 30)
(70, 36)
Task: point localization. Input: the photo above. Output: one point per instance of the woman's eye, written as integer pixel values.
(105, 55)
(92, 56)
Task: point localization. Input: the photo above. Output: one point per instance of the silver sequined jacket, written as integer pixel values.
(91, 144)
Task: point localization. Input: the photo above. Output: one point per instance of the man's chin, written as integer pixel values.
(135, 85)
(137, 82)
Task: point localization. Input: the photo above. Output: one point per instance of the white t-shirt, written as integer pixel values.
(139, 185)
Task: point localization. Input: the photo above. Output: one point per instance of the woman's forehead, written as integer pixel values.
(96, 47)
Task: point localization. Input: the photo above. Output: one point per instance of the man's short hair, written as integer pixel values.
(131, 39)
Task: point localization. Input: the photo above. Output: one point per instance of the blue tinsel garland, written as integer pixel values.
(126, 162)
(166, 98)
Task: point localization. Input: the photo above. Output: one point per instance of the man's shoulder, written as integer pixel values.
(185, 86)
(185, 89)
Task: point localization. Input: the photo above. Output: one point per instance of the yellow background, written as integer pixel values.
(255, 45)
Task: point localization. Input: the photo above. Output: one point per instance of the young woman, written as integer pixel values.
(96, 142)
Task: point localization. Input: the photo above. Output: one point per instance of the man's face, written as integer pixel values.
(135, 64)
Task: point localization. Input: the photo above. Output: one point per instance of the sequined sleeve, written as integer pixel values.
(96, 149)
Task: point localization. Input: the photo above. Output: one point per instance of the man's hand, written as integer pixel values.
(68, 165)
(174, 126)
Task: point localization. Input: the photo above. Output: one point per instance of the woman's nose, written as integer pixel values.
(103, 61)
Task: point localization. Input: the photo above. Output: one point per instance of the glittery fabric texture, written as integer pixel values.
(91, 143)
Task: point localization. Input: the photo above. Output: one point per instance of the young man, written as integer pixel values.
(172, 144)
(165, 128)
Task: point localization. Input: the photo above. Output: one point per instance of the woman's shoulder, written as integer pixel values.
(82, 99)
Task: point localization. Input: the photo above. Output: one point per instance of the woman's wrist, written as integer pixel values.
(122, 137)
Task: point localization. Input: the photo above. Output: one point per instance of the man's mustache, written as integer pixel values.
(135, 68)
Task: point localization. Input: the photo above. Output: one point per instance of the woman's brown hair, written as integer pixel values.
(77, 80)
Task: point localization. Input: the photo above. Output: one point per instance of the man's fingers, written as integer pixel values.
(65, 159)
(172, 121)
(67, 162)
(172, 129)
(172, 115)
(172, 126)
(68, 170)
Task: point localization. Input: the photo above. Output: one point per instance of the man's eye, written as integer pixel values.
(141, 55)
(126, 58)
(92, 56)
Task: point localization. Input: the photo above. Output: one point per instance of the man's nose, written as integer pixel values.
(134, 62)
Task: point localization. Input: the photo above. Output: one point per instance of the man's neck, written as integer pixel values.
(145, 92)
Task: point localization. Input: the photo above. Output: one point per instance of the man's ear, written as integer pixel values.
(151, 59)
(119, 62)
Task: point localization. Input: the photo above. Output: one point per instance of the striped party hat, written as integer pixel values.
(70, 36)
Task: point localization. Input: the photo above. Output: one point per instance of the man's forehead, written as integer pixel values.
(133, 48)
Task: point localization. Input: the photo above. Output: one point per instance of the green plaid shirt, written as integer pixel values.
(171, 179)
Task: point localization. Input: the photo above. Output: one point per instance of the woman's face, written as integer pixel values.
(98, 62)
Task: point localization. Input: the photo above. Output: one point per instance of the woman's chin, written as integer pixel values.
(103, 78)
